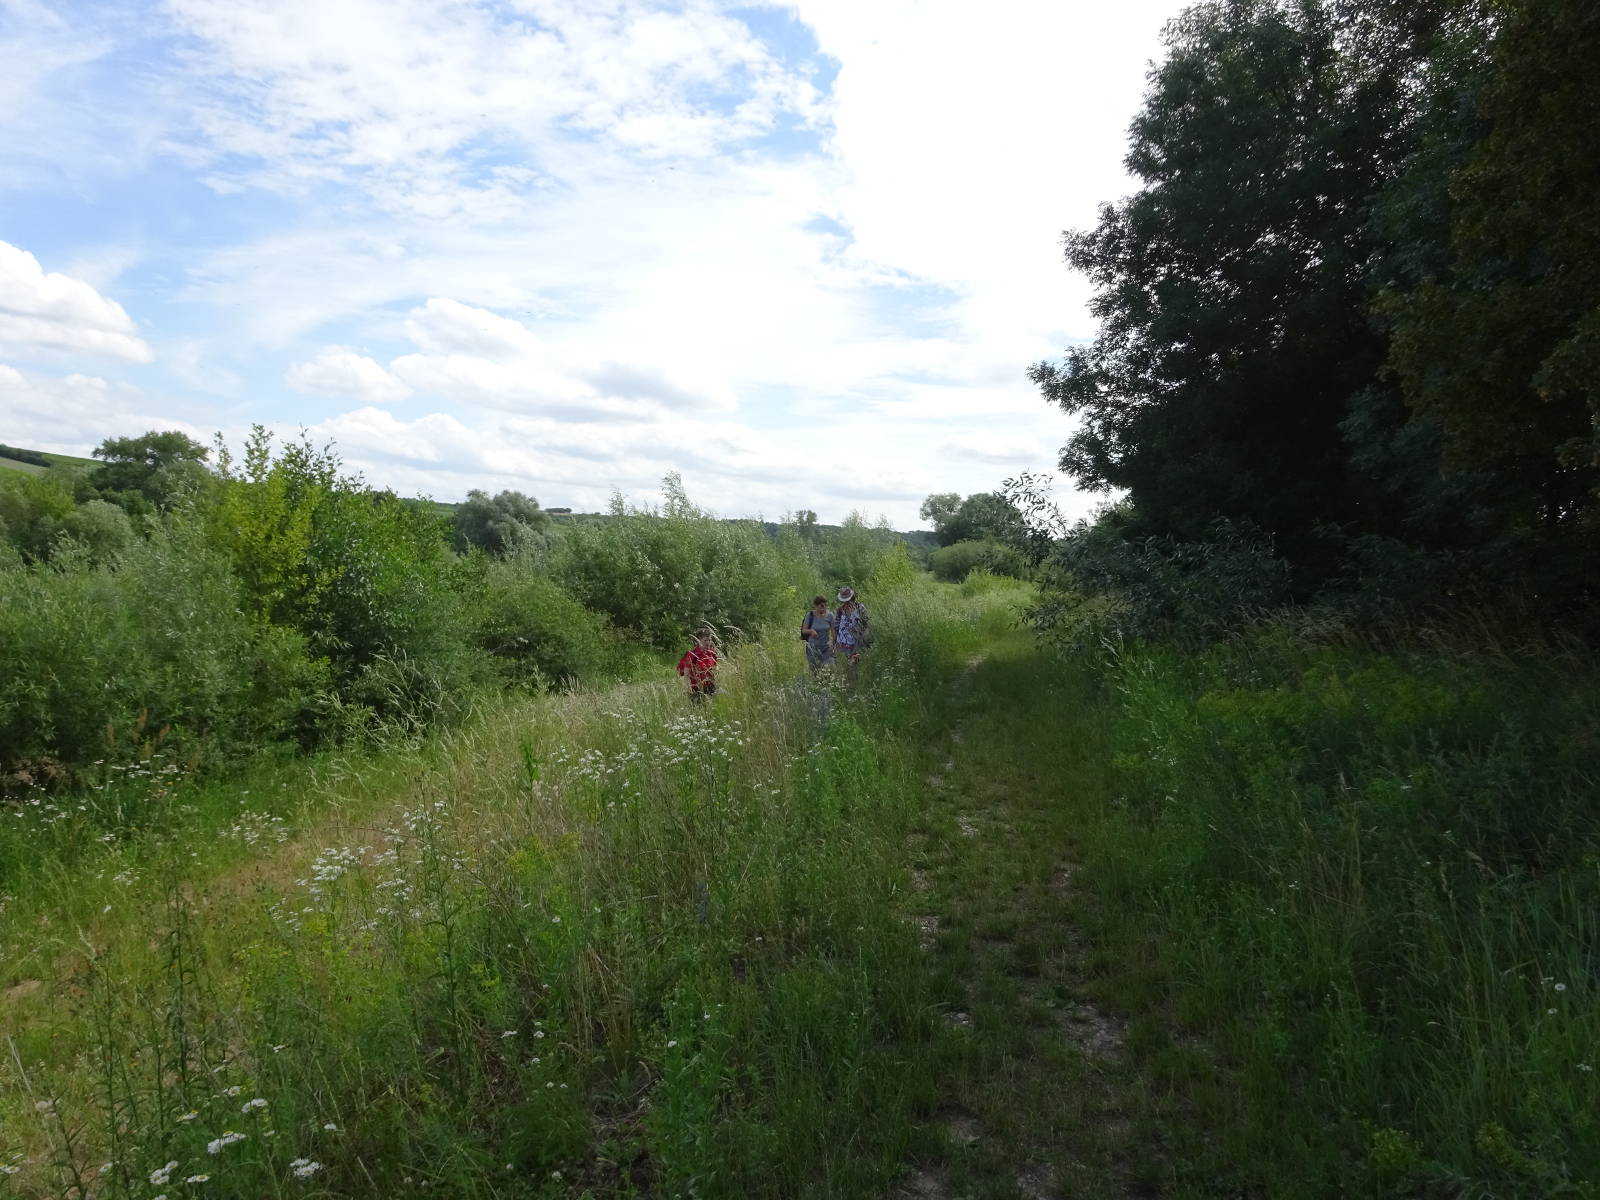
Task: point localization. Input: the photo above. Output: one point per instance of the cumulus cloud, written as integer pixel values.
(54, 313)
(387, 92)
(656, 234)
(71, 414)
(478, 358)
(337, 371)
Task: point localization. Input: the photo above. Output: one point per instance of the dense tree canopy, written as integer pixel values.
(1354, 303)
(981, 517)
(499, 523)
(149, 471)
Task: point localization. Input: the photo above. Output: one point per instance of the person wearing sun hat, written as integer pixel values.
(850, 629)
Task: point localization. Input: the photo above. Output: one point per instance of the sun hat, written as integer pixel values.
(847, 594)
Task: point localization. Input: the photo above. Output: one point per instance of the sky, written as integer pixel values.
(802, 254)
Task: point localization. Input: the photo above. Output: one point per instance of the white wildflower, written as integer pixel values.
(228, 1138)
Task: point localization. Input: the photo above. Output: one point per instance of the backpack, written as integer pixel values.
(808, 625)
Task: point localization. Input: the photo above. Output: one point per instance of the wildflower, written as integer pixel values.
(197, 1179)
(232, 1091)
(1561, 987)
(512, 1033)
(555, 920)
(671, 1044)
(280, 1047)
(331, 1127)
(304, 1168)
(252, 1105)
(1585, 1067)
(228, 1138)
(8, 1169)
(1549, 1012)
(538, 1033)
(44, 1106)
(160, 1176)
(189, 1116)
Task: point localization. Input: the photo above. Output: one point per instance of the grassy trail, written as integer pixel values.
(1039, 1093)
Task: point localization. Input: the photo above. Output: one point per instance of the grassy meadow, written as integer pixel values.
(595, 942)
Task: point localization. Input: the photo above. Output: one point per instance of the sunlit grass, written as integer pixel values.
(594, 941)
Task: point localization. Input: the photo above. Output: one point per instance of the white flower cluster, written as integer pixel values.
(228, 1138)
(258, 829)
(304, 1168)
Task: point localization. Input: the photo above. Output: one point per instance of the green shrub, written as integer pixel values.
(366, 578)
(154, 654)
(536, 631)
(955, 562)
(103, 529)
(660, 575)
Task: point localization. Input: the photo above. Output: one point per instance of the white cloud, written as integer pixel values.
(477, 358)
(407, 95)
(73, 413)
(336, 371)
(624, 278)
(54, 313)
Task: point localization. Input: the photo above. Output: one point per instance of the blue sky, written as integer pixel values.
(802, 254)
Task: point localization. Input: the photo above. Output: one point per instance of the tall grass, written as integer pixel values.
(1370, 871)
(600, 943)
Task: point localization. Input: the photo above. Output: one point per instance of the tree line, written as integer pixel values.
(1349, 339)
(205, 607)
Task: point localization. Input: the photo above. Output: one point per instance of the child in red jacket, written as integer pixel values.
(699, 664)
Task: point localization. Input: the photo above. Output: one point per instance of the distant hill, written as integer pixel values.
(37, 462)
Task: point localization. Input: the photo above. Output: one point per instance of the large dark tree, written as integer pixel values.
(1234, 285)
(1498, 340)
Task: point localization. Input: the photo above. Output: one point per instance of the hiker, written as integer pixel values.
(816, 631)
(850, 630)
(699, 666)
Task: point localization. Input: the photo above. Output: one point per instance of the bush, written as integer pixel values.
(157, 653)
(366, 578)
(659, 576)
(100, 527)
(537, 633)
(1101, 585)
(955, 562)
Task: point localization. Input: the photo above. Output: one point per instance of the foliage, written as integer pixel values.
(32, 508)
(103, 529)
(1498, 342)
(849, 554)
(538, 633)
(364, 577)
(27, 456)
(153, 654)
(982, 517)
(499, 524)
(660, 576)
(955, 562)
(149, 472)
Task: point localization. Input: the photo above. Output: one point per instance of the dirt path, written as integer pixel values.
(1038, 1095)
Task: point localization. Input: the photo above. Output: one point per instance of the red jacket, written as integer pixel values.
(700, 663)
